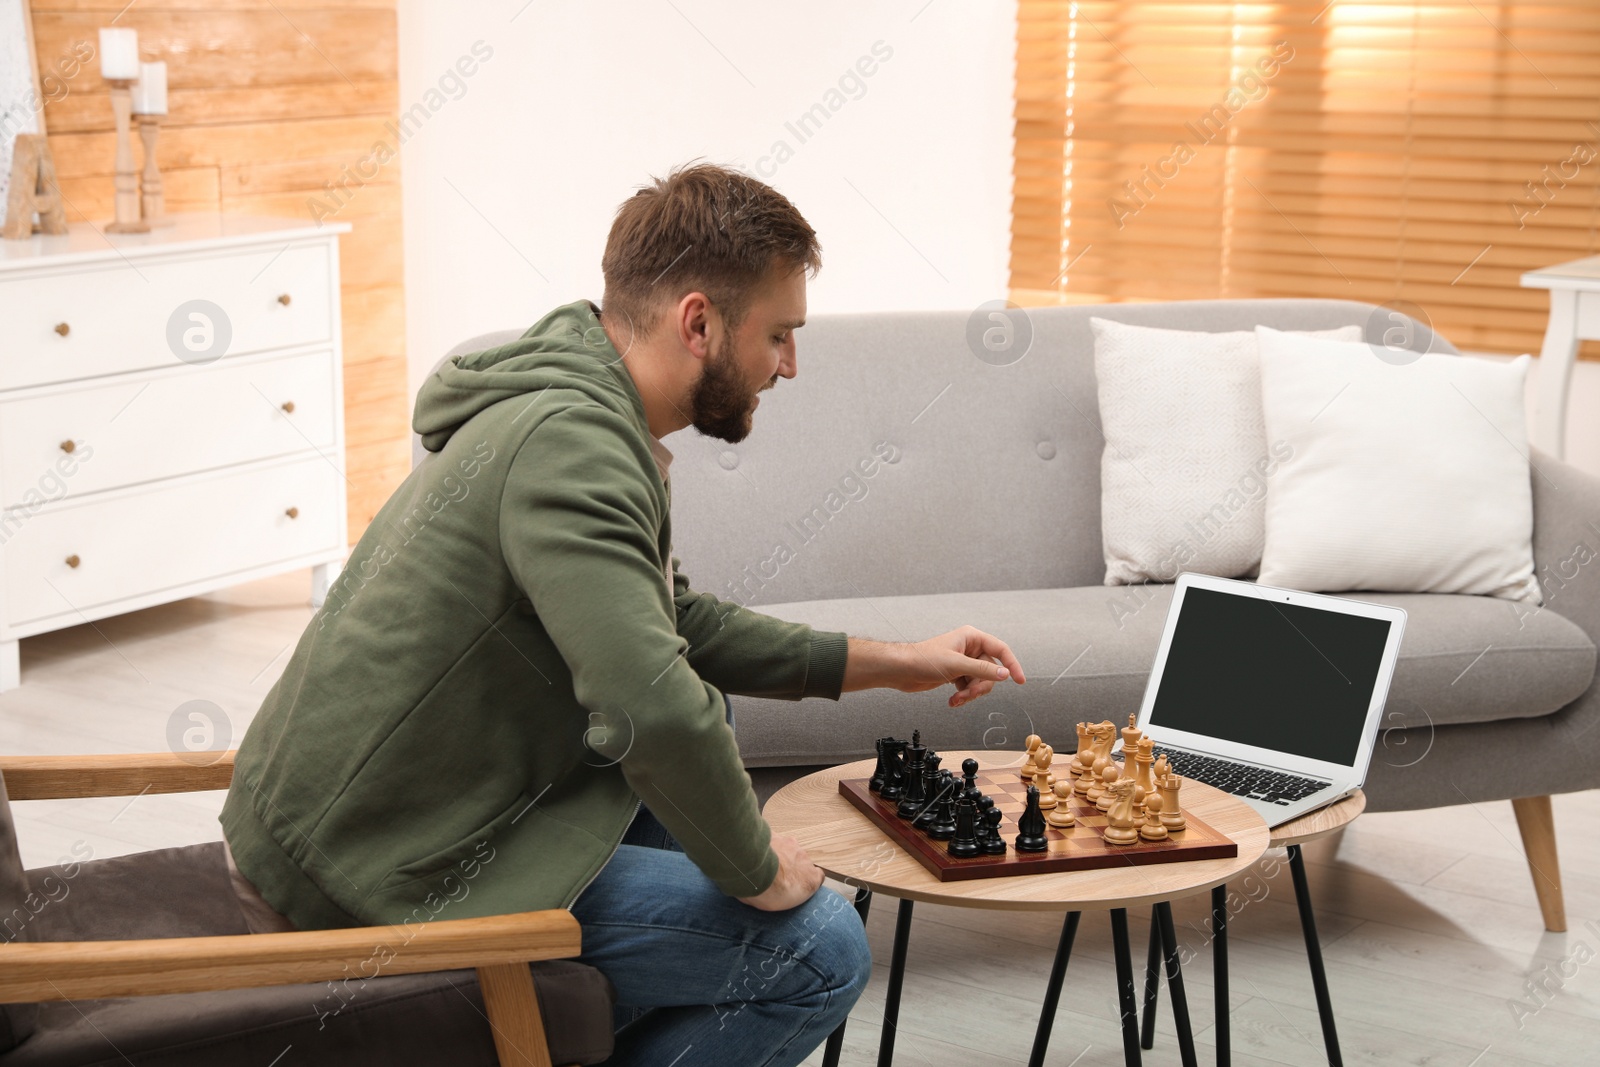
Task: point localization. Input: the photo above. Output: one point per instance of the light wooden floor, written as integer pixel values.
(1436, 953)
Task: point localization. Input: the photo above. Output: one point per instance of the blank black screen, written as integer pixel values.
(1270, 674)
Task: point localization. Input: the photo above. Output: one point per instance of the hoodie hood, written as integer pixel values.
(567, 349)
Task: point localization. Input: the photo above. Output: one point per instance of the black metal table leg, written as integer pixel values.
(1052, 991)
(897, 978)
(1219, 971)
(1180, 1001)
(1152, 983)
(1319, 977)
(835, 1045)
(1125, 993)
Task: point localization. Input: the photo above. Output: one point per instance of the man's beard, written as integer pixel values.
(721, 404)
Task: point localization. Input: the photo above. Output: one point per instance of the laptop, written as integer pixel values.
(1273, 695)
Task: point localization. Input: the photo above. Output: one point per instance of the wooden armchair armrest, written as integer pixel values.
(498, 946)
(70, 970)
(116, 775)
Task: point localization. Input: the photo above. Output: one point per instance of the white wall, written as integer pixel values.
(510, 183)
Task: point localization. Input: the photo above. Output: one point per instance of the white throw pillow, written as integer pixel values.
(1187, 455)
(1407, 477)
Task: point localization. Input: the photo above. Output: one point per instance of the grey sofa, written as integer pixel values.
(983, 507)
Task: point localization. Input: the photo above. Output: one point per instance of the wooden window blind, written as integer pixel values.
(1383, 151)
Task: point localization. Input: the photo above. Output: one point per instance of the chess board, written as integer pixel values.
(1081, 847)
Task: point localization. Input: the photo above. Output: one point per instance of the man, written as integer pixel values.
(511, 661)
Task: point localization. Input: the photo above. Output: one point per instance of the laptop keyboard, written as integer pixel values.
(1242, 779)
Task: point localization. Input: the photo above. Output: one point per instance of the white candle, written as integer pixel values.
(150, 91)
(119, 53)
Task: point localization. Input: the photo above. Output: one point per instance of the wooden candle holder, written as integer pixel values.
(128, 219)
(152, 198)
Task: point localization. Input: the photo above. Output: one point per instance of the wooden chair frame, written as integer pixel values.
(500, 947)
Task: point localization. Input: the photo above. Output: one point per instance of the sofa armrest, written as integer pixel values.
(1566, 541)
(1566, 559)
(115, 775)
(69, 970)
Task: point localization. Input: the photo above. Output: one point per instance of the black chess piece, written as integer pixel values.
(894, 768)
(1031, 825)
(984, 803)
(965, 841)
(994, 844)
(876, 782)
(915, 796)
(969, 772)
(930, 787)
(942, 825)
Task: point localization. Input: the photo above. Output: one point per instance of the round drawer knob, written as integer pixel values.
(69, 446)
(63, 329)
(283, 298)
(287, 406)
(293, 513)
(72, 560)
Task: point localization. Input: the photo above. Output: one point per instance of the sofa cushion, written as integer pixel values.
(1187, 461)
(1087, 652)
(1409, 477)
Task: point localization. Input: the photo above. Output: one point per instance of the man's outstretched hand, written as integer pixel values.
(967, 658)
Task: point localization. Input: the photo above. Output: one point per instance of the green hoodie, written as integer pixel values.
(499, 675)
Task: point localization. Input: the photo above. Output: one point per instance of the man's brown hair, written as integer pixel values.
(701, 228)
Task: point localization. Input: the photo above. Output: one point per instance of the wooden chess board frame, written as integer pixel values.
(1081, 847)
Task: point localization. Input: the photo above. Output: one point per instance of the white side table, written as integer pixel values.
(1574, 316)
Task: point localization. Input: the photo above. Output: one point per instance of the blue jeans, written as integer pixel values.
(704, 979)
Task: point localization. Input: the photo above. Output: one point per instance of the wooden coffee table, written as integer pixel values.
(846, 844)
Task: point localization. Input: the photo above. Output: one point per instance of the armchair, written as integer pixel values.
(103, 960)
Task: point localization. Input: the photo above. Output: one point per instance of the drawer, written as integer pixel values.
(143, 542)
(137, 429)
(118, 316)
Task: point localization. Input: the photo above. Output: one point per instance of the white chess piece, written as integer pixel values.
(1042, 778)
(1061, 816)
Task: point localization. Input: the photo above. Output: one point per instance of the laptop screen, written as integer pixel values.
(1274, 675)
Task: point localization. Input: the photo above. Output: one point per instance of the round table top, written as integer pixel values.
(1320, 823)
(846, 844)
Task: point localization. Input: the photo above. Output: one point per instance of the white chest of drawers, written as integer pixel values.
(171, 417)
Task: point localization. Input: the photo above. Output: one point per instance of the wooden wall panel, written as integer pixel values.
(269, 101)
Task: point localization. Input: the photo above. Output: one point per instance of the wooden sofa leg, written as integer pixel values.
(513, 1010)
(1536, 821)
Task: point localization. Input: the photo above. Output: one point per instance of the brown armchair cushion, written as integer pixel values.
(387, 1021)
